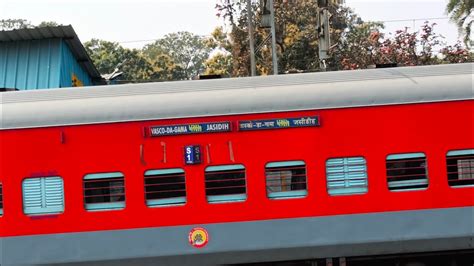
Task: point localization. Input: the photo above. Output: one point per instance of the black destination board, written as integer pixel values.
(183, 129)
(310, 121)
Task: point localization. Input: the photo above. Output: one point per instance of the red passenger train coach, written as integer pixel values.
(293, 167)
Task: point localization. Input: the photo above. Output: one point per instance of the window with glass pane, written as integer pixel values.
(407, 171)
(165, 187)
(43, 195)
(346, 176)
(225, 183)
(286, 179)
(1, 199)
(460, 166)
(104, 191)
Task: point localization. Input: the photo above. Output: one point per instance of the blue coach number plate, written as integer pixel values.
(311, 121)
(190, 129)
(192, 154)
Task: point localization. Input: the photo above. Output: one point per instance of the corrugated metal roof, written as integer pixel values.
(204, 98)
(66, 33)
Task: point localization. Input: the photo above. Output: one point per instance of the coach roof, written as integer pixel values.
(167, 100)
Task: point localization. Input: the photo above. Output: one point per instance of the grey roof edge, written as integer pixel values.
(65, 32)
(243, 96)
(237, 83)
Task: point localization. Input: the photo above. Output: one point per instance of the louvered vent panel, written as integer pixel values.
(346, 176)
(43, 195)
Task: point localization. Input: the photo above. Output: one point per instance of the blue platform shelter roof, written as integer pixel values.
(65, 33)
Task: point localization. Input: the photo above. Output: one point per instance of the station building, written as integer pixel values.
(44, 58)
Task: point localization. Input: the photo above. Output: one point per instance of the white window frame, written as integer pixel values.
(169, 201)
(104, 206)
(226, 197)
(454, 153)
(298, 193)
(397, 186)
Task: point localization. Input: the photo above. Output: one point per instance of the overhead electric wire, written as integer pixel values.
(383, 21)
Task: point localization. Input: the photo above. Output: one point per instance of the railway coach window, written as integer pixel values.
(1, 199)
(43, 195)
(105, 191)
(225, 183)
(460, 166)
(406, 171)
(346, 176)
(286, 179)
(165, 187)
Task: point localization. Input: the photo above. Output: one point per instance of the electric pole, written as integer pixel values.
(324, 41)
(251, 39)
(274, 53)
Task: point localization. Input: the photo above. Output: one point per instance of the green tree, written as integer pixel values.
(295, 29)
(460, 12)
(219, 64)
(48, 24)
(188, 51)
(109, 55)
(165, 69)
(355, 43)
(15, 24)
(365, 46)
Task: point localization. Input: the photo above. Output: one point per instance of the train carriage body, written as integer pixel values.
(340, 164)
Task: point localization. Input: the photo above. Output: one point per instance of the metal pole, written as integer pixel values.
(251, 39)
(324, 37)
(274, 53)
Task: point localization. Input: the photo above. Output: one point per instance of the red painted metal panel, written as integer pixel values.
(371, 132)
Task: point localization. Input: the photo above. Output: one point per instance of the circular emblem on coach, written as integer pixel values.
(198, 237)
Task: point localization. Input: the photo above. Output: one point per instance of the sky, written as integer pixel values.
(133, 23)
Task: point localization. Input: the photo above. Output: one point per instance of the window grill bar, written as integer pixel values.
(405, 168)
(165, 184)
(104, 195)
(412, 175)
(165, 191)
(466, 172)
(460, 180)
(225, 180)
(269, 175)
(458, 157)
(103, 180)
(406, 160)
(164, 176)
(286, 184)
(209, 173)
(224, 187)
(287, 168)
(463, 165)
(107, 187)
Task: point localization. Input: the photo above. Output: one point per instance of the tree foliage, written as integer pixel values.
(186, 50)
(403, 48)
(110, 55)
(176, 56)
(48, 24)
(460, 12)
(355, 43)
(16, 24)
(219, 64)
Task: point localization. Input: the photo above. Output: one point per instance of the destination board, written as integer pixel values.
(311, 121)
(168, 130)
